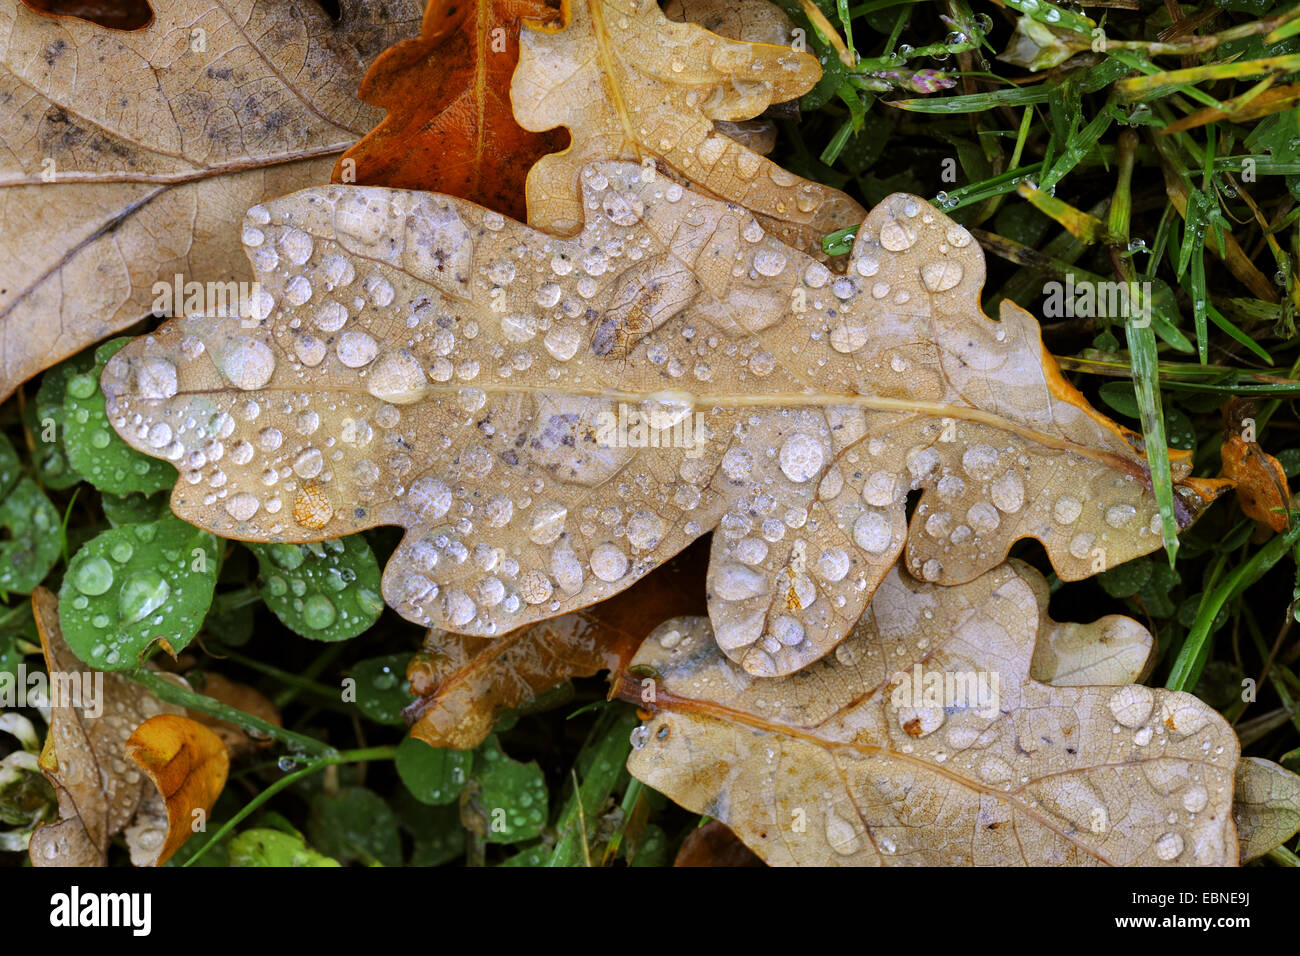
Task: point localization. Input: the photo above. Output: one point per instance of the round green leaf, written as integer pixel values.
(266, 847)
(134, 508)
(355, 824)
(34, 541)
(10, 468)
(130, 586)
(94, 448)
(433, 775)
(382, 690)
(45, 420)
(511, 794)
(325, 590)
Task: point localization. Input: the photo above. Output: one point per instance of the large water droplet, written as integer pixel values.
(94, 576)
(142, 593)
(318, 612)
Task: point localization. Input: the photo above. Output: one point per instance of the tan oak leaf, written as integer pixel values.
(923, 740)
(549, 419)
(629, 83)
(1266, 807)
(126, 156)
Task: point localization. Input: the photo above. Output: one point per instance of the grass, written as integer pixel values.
(1167, 154)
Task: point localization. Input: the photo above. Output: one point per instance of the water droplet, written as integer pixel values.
(318, 612)
(801, 457)
(247, 363)
(1169, 847)
(1131, 705)
(93, 576)
(872, 531)
(608, 562)
(143, 592)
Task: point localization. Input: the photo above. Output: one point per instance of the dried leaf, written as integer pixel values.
(628, 83)
(1109, 652)
(714, 845)
(129, 153)
(449, 126)
(115, 14)
(550, 419)
(923, 740)
(1262, 489)
(84, 756)
(465, 683)
(188, 764)
(1266, 807)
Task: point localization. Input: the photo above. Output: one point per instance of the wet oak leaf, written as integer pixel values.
(853, 761)
(84, 757)
(130, 153)
(465, 683)
(1266, 807)
(449, 127)
(188, 764)
(629, 83)
(549, 419)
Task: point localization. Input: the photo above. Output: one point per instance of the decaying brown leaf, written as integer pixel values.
(84, 758)
(924, 740)
(629, 83)
(187, 763)
(449, 127)
(549, 419)
(464, 683)
(1266, 807)
(714, 845)
(129, 154)
(1261, 485)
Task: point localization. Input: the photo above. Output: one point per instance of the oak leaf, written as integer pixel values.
(549, 419)
(923, 740)
(465, 683)
(1266, 806)
(449, 126)
(129, 153)
(629, 83)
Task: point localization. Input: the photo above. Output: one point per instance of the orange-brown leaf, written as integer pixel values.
(715, 845)
(465, 683)
(1262, 489)
(449, 127)
(114, 14)
(188, 764)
